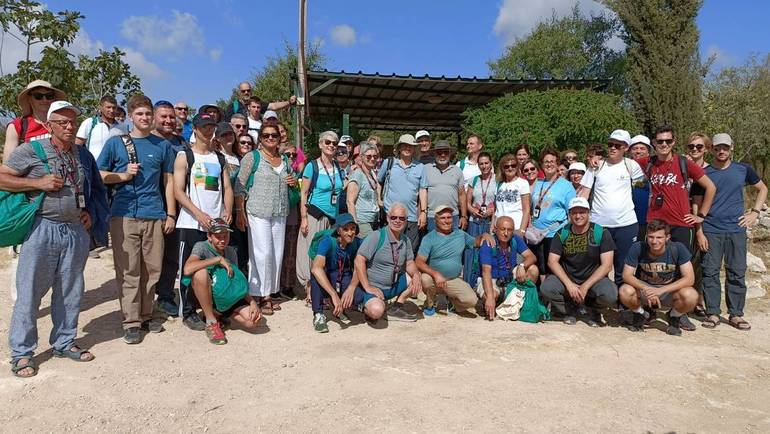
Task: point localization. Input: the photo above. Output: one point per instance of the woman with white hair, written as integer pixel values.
(363, 191)
(322, 185)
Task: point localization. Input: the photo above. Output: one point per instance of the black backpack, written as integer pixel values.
(686, 183)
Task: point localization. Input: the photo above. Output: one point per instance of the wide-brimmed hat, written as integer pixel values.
(24, 96)
(406, 139)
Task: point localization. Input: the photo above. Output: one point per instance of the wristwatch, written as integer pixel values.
(756, 211)
(700, 214)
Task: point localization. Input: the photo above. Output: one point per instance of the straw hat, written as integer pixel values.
(24, 97)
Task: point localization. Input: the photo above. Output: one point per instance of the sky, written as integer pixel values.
(198, 51)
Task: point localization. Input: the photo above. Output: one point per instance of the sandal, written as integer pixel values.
(17, 367)
(74, 353)
(739, 323)
(711, 321)
(267, 307)
(276, 303)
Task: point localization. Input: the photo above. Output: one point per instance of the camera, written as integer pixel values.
(659, 200)
(503, 282)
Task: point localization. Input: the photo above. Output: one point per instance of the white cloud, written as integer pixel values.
(140, 66)
(343, 35)
(722, 59)
(516, 18)
(215, 54)
(15, 51)
(83, 44)
(175, 37)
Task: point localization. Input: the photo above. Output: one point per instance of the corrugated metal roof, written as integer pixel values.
(391, 102)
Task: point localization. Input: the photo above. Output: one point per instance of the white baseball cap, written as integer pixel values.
(421, 133)
(577, 166)
(346, 138)
(641, 138)
(722, 139)
(270, 114)
(61, 105)
(579, 202)
(621, 136)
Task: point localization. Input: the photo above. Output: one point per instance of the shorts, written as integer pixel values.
(666, 300)
(238, 304)
(499, 295)
(394, 291)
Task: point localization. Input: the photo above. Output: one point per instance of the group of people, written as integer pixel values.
(224, 204)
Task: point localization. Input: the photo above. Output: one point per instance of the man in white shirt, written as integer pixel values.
(469, 165)
(254, 117)
(95, 130)
(609, 190)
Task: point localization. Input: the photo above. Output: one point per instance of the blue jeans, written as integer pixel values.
(732, 249)
(476, 227)
(623, 236)
(53, 256)
(318, 294)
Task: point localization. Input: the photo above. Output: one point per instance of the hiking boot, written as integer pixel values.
(152, 326)
(637, 321)
(215, 334)
(319, 323)
(594, 319)
(132, 335)
(673, 328)
(686, 324)
(396, 311)
(194, 322)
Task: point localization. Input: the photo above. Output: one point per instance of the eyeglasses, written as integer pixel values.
(271, 136)
(370, 157)
(529, 170)
(549, 162)
(342, 152)
(614, 145)
(664, 141)
(48, 95)
(570, 157)
(722, 147)
(399, 218)
(61, 123)
(181, 109)
(245, 142)
(328, 142)
(245, 90)
(694, 146)
(509, 166)
(290, 154)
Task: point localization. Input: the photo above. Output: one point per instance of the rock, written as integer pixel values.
(765, 221)
(755, 264)
(754, 288)
(759, 233)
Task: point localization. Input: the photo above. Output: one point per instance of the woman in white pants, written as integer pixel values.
(265, 211)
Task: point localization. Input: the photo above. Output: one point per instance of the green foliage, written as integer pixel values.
(570, 47)
(737, 102)
(663, 65)
(557, 118)
(84, 79)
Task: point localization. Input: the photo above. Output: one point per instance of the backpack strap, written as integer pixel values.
(40, 152)
(236, 106)
(386, 178)
(686, 184)
(222, 164)
(475, 180)
(24, 127)
(190, 157)
(597, 232)
(462, 164)
(130, 148)
(94, 121)
(564, 232)
(313, 179)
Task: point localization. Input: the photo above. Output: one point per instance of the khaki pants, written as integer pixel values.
(459, 292)
(303, 245)
(137, 246)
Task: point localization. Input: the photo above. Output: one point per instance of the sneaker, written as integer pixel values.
(319, 323)
(637, 321)
(169, 308)
(152, 326)
(397, 312)
(569, 320)
(686, 324)
(194, 322)
(215, 334)
(344, 319)
(132, 335)
(429, 311)
(94, 254)
(673, 328)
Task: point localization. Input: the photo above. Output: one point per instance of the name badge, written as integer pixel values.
(81, 200)
(334, 199)
(536, 213)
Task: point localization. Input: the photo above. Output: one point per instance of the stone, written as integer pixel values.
(759, 233)
(755, 288)
(755, 264)
(765, 221)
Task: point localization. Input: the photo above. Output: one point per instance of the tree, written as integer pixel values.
(737, 102)
(663, 65)
(570, 47)
(559, 118)
(84, 79)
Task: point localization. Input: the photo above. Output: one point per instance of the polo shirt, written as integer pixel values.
(187, 130)
(403, 185)
(96, 134)
(445, 252)
(502, 262)
(443, 187)
(380, 269)
(141, 197)
(469, 168)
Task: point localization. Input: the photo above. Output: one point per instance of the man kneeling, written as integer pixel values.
(332, 272)
(499, 266)
(581, 257)
(230, 294)
(658, 273)
(440, 261)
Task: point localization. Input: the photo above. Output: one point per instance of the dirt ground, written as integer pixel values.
(441, 374)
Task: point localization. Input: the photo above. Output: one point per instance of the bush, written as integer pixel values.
(559, 118)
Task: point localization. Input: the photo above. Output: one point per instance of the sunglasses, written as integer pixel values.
(509, 166)
(38, 96)
(370, 157)
(342, 152)
(238, 127)
(664, 141)
(694, 146)
(181, 109)
(570, 157)
(244, 90)
(328, 142)
(271, 136)
(529, 170)
(614, 145)
(245, 142)
(290, 154)
(399, 218)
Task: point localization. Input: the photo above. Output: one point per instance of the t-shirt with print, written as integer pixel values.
(60, 206)
(95, 132)
(666, 180)
(141, 196)
(204, 250)
(508, 200)
(483, 192)
(445, 252)
(381, 269)
(502, 261)
(203, 188)
(367, 209)
(443, 187)
(613, 202)
(336, 255)
(660, 270)
(727, 206)
(553, 207)
(579, 256)
(321, 196)
(403, 185)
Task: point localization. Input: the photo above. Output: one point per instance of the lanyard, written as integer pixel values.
(484, 190)
(543, 193)
(370, 179)
(69, 168)
(506, 264)
(341, 259)
(395, 254)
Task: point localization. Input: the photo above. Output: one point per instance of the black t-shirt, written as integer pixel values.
(660, 270)
(580, 256)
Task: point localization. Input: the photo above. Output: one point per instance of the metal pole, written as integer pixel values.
(301, 78)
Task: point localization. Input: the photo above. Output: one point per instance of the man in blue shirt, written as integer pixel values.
(722, 235)
(403, 180)
(499, 265)
(182, 112)
(333, 273)
(440, 261)
(136, 165)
